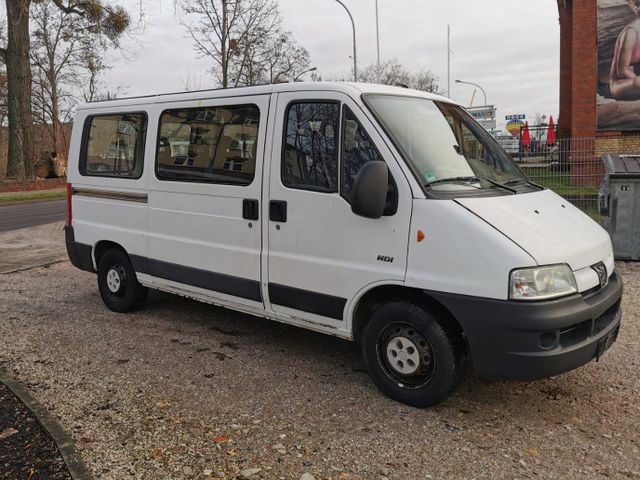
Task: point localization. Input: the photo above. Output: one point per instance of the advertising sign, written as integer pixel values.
(618, 92)
(485, 115)
(513, 127)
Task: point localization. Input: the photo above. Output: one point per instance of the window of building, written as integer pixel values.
(209, 144)
(357, 149)
(310, 157)
(114, 145)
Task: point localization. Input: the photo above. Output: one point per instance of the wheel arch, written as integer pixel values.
(103, 246)
(369, 300)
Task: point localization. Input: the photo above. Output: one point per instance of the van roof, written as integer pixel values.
(345, 87)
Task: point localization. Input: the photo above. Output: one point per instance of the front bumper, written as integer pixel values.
(531, 340)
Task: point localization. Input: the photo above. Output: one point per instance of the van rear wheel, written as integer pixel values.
(118, 284)
(409, 356)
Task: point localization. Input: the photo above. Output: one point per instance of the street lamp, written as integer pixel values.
(353, 25)
(312, 69)
(476, 85)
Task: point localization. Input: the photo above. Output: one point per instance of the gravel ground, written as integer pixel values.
(186, 390)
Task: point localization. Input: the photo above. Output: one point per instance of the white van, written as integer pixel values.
(372, 213)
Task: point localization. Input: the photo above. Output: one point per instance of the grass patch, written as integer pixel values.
(32, 196)
(559, 182)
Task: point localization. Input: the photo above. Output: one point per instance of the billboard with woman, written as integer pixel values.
(618, 96)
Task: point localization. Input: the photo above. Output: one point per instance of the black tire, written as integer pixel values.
(425, 368)
(118, 284)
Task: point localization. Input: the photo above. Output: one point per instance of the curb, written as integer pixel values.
(24, 269)
(69, 454)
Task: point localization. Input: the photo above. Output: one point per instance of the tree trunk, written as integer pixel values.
(20, 156)
(55, 113)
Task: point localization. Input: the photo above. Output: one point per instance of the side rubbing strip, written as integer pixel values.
(217, 282)
(312, 302)
(130, 197)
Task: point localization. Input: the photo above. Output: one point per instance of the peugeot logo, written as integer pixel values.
(601, 270)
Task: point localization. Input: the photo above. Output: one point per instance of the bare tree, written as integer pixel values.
(3, 118)
(275, 59)
(57, 42)
(392, 72)
(244, 39)
(96, 16)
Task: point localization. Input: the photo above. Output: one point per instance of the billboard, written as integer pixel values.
(485, 115)
(618, 95)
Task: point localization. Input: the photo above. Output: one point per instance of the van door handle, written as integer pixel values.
(278, 211)
(250, 209)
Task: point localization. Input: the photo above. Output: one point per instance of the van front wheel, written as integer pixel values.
(118, 284)
(409, 356)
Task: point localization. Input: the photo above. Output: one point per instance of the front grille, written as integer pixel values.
(604, 320)
(575, 333)
(579, 332)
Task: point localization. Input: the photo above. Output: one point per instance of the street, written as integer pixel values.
(22, 215)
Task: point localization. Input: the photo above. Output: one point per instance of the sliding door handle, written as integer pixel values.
(250, 209)
(278, 211)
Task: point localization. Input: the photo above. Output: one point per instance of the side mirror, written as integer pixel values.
(370, 187)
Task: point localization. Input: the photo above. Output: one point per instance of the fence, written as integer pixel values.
(571, 167)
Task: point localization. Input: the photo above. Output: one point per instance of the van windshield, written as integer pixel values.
(448, 150)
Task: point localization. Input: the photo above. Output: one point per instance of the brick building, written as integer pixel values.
(581, 77)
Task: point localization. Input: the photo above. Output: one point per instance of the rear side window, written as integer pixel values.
(209, 144)
(113, 145)
(310, 157)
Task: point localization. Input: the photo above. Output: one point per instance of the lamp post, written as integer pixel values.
(378, 38)
(353, 25)
(476, 85)
(312, 69)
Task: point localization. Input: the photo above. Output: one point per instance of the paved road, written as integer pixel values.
(31, 214)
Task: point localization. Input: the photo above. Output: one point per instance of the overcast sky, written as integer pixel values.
(510, 47)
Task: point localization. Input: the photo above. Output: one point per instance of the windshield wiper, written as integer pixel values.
(472, 179)
(519, 181)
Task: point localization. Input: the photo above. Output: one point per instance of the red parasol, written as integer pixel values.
(525, 138)
(551, 132)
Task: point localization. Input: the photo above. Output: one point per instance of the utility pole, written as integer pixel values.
(378, 37)
(449, 61)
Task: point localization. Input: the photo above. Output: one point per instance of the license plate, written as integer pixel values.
(605, 342)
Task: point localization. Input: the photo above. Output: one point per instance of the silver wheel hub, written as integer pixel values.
(113, 280)
(403, 355)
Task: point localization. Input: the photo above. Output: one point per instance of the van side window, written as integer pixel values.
(310, 156)
(357, 149)
(208, 144)
(113, 145)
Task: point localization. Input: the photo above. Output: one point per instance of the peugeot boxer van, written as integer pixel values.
(377, 214)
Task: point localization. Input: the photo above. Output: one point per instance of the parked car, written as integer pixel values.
(378, 214)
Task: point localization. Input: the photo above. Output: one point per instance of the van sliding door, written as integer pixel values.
(204, 199)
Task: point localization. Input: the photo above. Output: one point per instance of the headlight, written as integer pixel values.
(539, 283)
